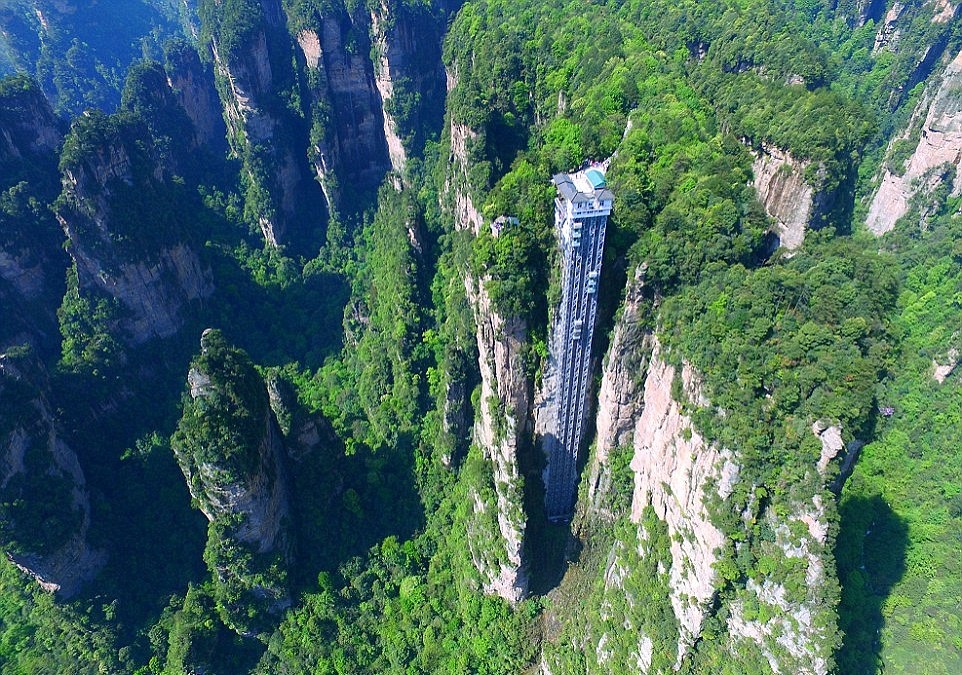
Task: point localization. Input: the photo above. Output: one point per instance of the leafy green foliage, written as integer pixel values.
(404, 607)
(230, 25)
(80, 53)
(898, 551)
(223, 423)
(373, 391)
(224, 446)
(38, 634)
(38, 514)
(542, 86)
(87, 323)
(786, 345)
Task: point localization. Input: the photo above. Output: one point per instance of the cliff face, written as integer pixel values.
(192, 86)
(675, 471)
(376, 83)
(674, 551)
(620, 398)
(787, 194)
(230, 449)
(27, 123)
(254, 71)
(908, 183)
(348, 138)
(126, 224)
(32, 262)
(466, 214)
(782, 190)
(46, 508)
(409, 73)
(496, 534)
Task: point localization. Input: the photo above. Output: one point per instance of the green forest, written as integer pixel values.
(273, 383)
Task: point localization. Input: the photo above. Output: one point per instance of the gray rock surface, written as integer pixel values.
(154, 286)
(503, 412)
(939, 146)
(73, 562)
(676, 471)
(782, 190)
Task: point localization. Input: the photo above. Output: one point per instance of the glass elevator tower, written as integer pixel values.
(582, 208)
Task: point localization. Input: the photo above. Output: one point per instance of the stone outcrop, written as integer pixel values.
(155, 276)
(941, 371)
(889, 32)
(793, 634)
(45, 525)
(32, 261)
(681, 482)
(457, 189)
(242, 474)
(937, 156)
(230, 448)
(28, 126)
(193, 87)
(25, 269)
(390, 60)
(676, 471)
(943, 11)
(349, 141)
(789, 199)
(466, 214)
(503, 412)
(250, 70)
(620, 398)
(407, 43)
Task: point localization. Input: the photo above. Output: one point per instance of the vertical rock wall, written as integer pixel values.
(46, 513)
(503, 412)
(937, 156)
(780, 182)
(255, 75)
(676, 472)
(193, 87)
(231, 451)
(620, 397)
(674, 550)
(154, 276)
(347, 139)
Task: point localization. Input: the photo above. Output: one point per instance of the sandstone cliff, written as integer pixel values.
(149, 267)
(230, 449)
(669, 563)
(409, 73)
(466, 213)
(907, 183)
(347, 138)
(496, 534)
(45, 505)
(253, 65)
(32, 261)
(28, 126)
(620, 398)
(126, 221)
(193, 87)
(675, 471)
(788, 197)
